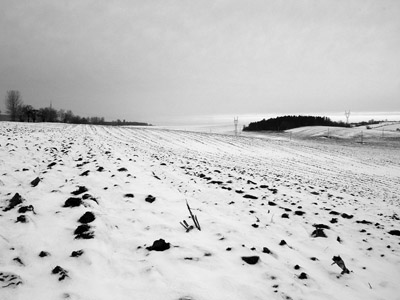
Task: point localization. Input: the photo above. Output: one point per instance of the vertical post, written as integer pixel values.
(235, 122)
(347, 114)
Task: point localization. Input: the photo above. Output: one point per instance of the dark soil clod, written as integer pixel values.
(248, 196)
(35, 182)
(394, 232)
(251, 260)
(44, 254)
(266, 250)
(87, 217)
(14, 201)
(24, 209)
(80, 190)
(73, 202)
(150, 199)
(22, 219)
(83, 232)
(77, 253)
(319, 232)
(159, 245)
(303, 276)
(61, 272)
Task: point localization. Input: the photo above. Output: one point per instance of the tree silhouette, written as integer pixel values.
(289, 122)
(13, 104)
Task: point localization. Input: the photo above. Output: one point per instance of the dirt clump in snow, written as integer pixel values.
(159, 245)
(14, 201)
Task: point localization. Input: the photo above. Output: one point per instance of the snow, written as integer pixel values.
(323, 178)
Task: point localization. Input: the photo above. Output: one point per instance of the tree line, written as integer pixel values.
(289, 122)
(18, 111)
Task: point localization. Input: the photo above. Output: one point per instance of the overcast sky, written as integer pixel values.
(143, 60)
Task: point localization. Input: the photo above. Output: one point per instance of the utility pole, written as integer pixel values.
(236, 122)
(347, 114)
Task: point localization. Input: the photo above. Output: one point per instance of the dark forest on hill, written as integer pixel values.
(289, 122)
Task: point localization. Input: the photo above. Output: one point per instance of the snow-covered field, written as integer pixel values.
(273, 215)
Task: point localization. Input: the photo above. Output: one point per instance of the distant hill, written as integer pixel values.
(290, 122)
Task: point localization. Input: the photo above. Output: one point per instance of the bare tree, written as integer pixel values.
(68, 116)
(13, 104)
(47, 114)
(27, 113)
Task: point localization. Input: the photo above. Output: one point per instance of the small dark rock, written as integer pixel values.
(61, 272)
(333, 221)
(266, 250)
(77, 253)
(270, 203)
(13, 202)
(248, 196)
(254, 225)
(73, 202)
(44, 254)
(394, 232)
(129, 196)
(339, 261)
(22, 219)
(282, 243)
(364, 222)
(122, 169)
(346, 216)
(51, 165)
(83, 232)
(159, 245)
(319, 232)
(303, 276)
(285, 216)
(322, 226)
(150, 199)
(299, 213)
(100, 169)
(25, 209)
(251, 260)
(35, 182)
(296, 267)
(86, 173)
(87, 217)
(335, 213)
(80, 190)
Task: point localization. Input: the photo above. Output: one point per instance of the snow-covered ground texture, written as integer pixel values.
(81, 206)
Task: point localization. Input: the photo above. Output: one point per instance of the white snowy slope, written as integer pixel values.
(375, 133)
(273, 214)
